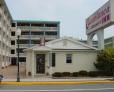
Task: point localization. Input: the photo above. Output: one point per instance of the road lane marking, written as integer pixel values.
(66, 90)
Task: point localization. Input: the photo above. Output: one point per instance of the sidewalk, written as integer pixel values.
(49, 81)
(10, 75)
(57, 80)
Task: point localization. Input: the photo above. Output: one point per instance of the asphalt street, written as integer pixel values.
(60, 88)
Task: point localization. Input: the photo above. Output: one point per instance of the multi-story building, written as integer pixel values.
(108, 42)
(95, 43)
(31, 33)
(5, 34)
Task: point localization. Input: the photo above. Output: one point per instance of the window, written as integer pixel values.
(22, 59)
(13, 60)
(37, 25)
(13, 25)
(23, 24)
(13, 42)
(12, 33)
(69, 58)
(12, 51)
(53, 59)
(35, 42)
(37, 33)
(51, 33)
(51, 25)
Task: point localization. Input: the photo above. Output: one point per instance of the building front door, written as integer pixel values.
(40, 63)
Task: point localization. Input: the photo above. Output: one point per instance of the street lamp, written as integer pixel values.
(18, 33)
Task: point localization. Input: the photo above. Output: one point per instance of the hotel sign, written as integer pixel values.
(102, 18)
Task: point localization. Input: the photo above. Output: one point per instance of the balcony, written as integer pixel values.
(13, 29)
(13, 46)
(0, 10)
(51, 28)
(31, 36)
(23, 28)
(8, 34)
(37, 28)
(4, 28)
(3, 52)
(7, 53)
(0, 24)
(0, 37)
(44, 28)
(25, 37)
(51, 37)
(7, 43)
(0, 51)
(24, 45)
(4, 40)
(36, 36)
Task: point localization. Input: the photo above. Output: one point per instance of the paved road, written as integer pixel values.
(60, 88)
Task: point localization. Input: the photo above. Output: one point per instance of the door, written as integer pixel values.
(40, 63)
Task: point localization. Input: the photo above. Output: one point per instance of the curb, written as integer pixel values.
(53, 83)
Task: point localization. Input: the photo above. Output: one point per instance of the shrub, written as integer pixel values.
(105, 73)
(75, 74)
(105, 60)
(93, 73)
(108, 73)
(83, 73)
(66, 74)
(57, 74)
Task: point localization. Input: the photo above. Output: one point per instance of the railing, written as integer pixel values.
(30, 36)
(50, 37)
(24, 45)
(38, 28)
(36, 36)
(13, 29)
(25, 37)
(22, 54)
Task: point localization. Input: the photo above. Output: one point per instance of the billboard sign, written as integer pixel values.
(102, 18)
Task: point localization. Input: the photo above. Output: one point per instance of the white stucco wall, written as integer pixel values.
(80, 61)
(66, 44)
(30, 62)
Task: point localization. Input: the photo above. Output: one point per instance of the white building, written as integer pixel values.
(5, 34)
(60, 55)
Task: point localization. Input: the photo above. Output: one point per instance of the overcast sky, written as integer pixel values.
(70, 13)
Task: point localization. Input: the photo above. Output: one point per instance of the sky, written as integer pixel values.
(71, 14)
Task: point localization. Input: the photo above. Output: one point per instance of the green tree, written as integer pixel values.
(105, 61)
